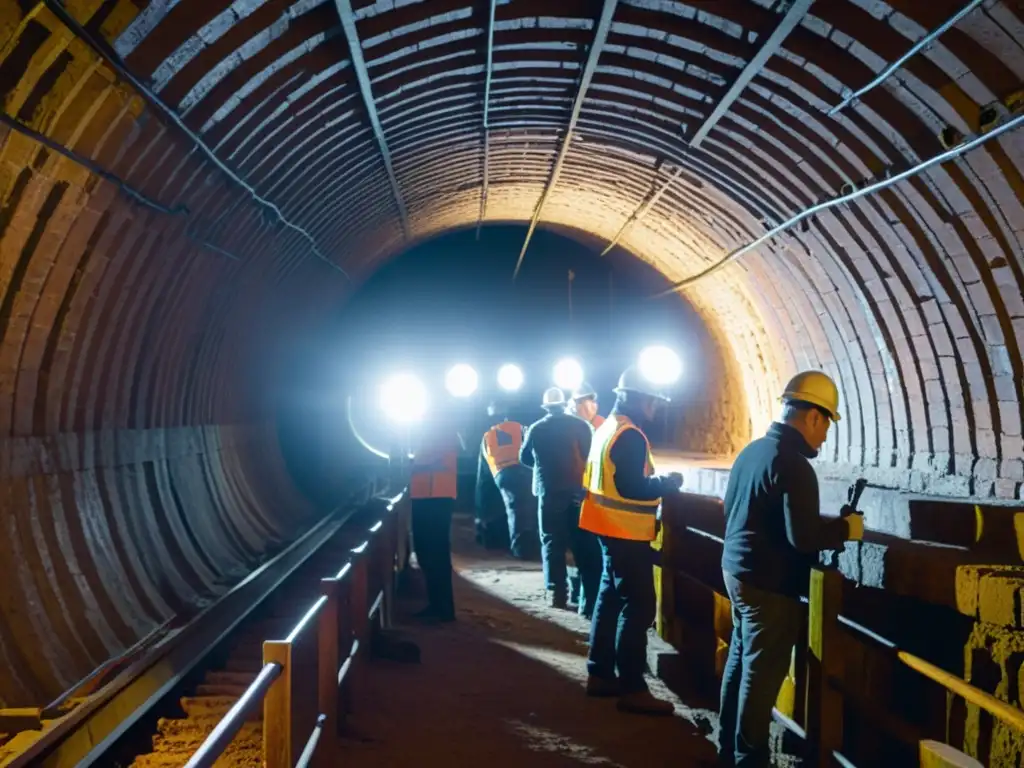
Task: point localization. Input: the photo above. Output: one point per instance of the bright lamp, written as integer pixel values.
(461, 380)
(510, 377)
(403, 398)
(660, 365)
(568, 374)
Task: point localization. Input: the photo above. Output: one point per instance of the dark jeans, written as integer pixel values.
(765, 627)
(520, 511)
(560, 531)
(432, 539)
(625, 610)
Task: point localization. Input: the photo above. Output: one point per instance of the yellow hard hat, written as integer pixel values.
(816, 388)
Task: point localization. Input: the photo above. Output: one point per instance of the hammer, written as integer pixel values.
(852, 498)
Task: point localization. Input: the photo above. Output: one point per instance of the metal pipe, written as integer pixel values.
(950, 154)
(114, 60)
(886, 73)
(307, 754)
(355, 49)
(794, 15)
(604, 25)
(228, 728)
(487, 122)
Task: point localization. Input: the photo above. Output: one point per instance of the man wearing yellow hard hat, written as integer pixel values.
(773, 534)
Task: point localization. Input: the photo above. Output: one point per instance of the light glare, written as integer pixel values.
(403, 398)
(510, 377)
(660, 365)
(461, 380)
(568, 374)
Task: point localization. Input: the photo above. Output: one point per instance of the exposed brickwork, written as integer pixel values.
(129, 338)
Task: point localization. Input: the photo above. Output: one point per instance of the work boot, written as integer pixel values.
(558, 600)
(644, 703)
(602, 688)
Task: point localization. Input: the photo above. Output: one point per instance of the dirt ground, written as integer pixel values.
(503, 687)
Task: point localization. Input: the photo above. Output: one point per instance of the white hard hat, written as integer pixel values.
(553, 396)
(632, 381)
(583, 391)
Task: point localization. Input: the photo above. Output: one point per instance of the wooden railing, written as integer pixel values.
(813, 700)
(311, 679)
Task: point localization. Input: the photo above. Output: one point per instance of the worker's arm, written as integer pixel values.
(806, 529)
(586, 438)
(526, 450)
(629, 455)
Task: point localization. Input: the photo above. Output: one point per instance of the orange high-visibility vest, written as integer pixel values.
(435, 474)
(604, 510)
(501, 445)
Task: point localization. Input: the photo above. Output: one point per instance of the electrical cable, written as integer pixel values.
(949, 154)
(114, 60)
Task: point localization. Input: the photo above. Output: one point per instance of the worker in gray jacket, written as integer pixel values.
(556, 447)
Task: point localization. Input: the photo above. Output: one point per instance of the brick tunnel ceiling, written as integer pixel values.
(146, 279)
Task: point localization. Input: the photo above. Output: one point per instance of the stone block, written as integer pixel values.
(999, 600)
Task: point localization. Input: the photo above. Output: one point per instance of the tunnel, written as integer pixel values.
(192, 191)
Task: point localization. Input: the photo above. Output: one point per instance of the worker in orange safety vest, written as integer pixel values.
(433, 488)
(621, 505)
(499, 458)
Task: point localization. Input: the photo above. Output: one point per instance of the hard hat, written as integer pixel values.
(631, 380)
(553, 396)
(816, 388)
(583, 391)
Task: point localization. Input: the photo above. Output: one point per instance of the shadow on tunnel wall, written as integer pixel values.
(453, 299)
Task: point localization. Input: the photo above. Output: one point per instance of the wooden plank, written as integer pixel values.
(823, 718)
(935, 754)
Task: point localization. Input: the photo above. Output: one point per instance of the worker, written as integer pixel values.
(584, 402)
(499, 454)
(556, 447)
(433, 488)
(492, 528)
(621, 507)
(773, 534)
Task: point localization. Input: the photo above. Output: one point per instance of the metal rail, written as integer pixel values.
(228, 728)
(886, 73)
(355, 49)
(306, 758)
(57, 9)
(794, 15)
(604, 25)
(487, 120)
(878, 186)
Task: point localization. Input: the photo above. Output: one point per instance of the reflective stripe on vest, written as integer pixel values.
(435, 476)
(501, 445)
(604, 511)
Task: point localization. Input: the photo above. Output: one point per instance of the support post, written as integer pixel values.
(823, 719)
(328, 643)
(359, 605)
(278, 750)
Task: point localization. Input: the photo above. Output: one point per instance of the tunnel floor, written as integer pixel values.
(503, 686)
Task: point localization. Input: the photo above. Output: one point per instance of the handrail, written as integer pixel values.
(307, 754)
(356, 597)
(228, 728)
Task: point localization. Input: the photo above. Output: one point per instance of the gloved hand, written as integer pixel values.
(673, 481)
(855, 521)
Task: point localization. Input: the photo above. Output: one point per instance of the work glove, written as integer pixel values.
(673, 481)
(856, 523)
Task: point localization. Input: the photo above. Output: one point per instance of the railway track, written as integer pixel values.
(160, 709)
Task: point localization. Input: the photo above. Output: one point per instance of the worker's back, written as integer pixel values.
(556, 447)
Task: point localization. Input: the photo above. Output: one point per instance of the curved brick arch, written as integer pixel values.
(134, 446)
